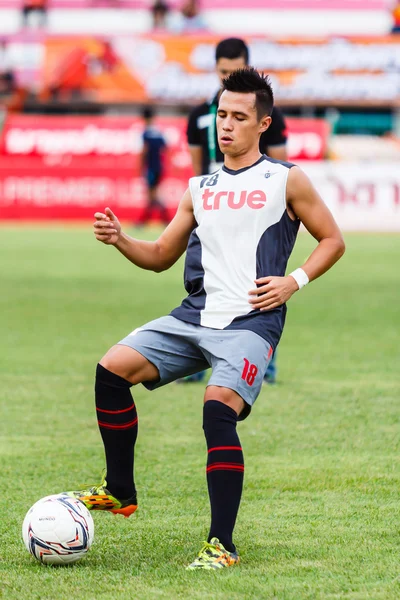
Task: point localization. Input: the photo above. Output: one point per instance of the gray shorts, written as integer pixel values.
(238, 358)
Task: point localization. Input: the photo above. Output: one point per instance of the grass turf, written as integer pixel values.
(320, 511)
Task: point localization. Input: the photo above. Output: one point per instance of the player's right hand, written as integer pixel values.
(107, 228)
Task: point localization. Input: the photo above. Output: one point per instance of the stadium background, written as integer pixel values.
(320, 510)
(71, 135)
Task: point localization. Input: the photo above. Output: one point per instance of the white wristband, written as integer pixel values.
(300, 277)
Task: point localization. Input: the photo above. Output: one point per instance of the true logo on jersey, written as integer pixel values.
(212, 201)
(268, 174)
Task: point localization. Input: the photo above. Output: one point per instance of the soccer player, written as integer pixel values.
(230, 54)
(152, 167)
(238, 227)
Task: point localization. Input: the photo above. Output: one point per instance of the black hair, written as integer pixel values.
(159, 7)
(232, 48)
(148, 112)
(250, 81)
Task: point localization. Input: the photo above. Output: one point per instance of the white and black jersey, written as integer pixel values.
(243, 232)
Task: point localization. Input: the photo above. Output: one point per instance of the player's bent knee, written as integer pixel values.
(106, 378)
(129, 364)
(226, 396)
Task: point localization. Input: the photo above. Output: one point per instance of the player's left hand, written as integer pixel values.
(272, 292)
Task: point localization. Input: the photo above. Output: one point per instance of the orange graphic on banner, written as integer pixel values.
(89, 66)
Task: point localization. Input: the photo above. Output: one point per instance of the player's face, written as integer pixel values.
(226, 66)
(238, 126)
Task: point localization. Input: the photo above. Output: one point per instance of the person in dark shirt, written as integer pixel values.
(230, 54)
(152, 167)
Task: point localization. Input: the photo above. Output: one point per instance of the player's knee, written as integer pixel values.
(110, 364)
(107, 377)
(225, 396)
(121, 361)
(130, 365)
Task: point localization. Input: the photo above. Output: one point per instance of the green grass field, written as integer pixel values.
(320, 514)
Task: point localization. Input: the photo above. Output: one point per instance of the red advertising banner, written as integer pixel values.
(307, 139)
(67, 167)
(31, 193)
(67, 140)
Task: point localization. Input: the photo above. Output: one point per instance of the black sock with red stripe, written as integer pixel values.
(118, 424)
(225, 469)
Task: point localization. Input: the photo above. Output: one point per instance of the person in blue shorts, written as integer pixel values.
(238, 227)
(152, 166)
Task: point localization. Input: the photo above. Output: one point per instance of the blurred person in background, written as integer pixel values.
(160, 12)
(189, 18)
(34, 7)
(230, 54)
(154, 146)
(192, 19)
(7, 83)
(396, 17)
(11, 95)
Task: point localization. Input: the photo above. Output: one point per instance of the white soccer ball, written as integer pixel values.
(58, 530)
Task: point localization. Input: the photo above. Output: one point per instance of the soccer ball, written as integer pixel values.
(58, 530)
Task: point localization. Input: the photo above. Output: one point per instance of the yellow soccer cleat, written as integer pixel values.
(98, 497)
(214, 556)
